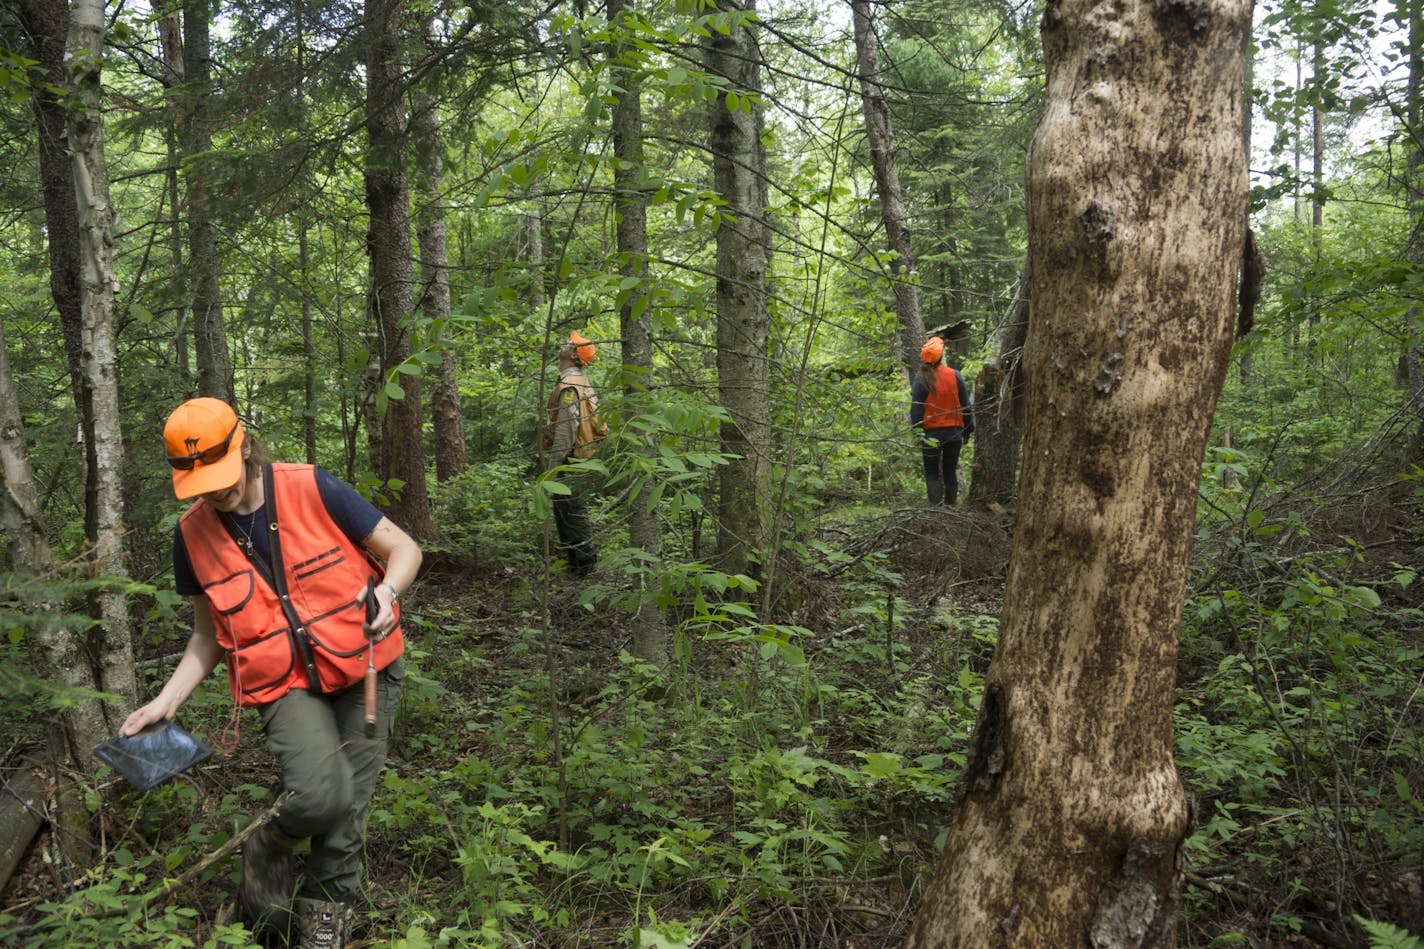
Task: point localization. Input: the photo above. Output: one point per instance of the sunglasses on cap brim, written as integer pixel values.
(208, 456)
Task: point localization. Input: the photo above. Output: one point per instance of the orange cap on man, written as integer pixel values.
(932, 351)
(582, 347)
(204, 442)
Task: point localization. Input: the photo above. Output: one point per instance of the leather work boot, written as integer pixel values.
(268, 881)
(323, 925)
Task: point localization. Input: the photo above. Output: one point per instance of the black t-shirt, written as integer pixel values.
(356, 517)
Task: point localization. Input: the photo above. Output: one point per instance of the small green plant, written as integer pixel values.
(1388, 936)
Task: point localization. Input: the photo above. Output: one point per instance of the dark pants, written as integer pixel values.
(941, 456)
(331, 767)
(575, 530)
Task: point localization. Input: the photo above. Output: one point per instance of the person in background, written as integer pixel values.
(571, 433)
(940, 409)
(278, 561)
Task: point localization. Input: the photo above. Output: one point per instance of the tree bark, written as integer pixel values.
(880, 133)
(388, 244)
(21, 524)
(446, 414)
(1414, 191)
(743, 320)
(1070, 828)
(999, 410)
(46, 24)
(102, 659)
(209, 333)
(630, 202)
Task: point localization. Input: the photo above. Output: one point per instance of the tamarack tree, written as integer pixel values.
(1070, 828)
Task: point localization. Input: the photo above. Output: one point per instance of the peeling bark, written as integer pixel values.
(1069, 829)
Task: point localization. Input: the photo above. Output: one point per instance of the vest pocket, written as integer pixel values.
(231, 593)
(322, 561)
(263, 664)
(339, 647)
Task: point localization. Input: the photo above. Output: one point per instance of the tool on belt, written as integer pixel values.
(372, 609)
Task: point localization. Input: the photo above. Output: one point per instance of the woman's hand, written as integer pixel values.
(378, 626)
(155, 711)
(199, 658)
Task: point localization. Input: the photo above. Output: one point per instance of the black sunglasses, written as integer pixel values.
(208, 456)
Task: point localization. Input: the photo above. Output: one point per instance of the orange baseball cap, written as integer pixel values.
(932, 351)
(586, 350)
(204, 442)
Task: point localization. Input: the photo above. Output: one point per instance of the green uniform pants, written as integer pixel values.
(331, 767)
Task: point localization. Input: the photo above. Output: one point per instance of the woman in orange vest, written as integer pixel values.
(295, 581)
(940, 409)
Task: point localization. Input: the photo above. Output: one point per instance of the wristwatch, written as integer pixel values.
(395, 594)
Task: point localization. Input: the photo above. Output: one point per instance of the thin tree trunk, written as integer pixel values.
(880, 132)
(170, 38)
(46, 24)
(20, 519)
(388, 243)
(446, 414)
(1072, 820)
(630, 201)
(209, 334)
(743, 320)
(310, 357)
(1414, 191)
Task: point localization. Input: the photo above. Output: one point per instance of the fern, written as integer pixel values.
(1388, 936)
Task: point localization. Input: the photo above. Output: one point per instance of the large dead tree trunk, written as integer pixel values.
(1070, 828)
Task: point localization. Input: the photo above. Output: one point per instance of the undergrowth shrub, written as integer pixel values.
(1292, 730)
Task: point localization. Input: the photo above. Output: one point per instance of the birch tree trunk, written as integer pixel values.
(880, 133)
(743, 320)
(388, 243)
(1070, 828)
(630, 201)
(103, 658)
(446, 414)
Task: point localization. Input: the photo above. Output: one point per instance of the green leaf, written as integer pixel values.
(882, 764)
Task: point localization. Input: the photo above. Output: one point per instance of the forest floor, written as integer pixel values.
(732, 797)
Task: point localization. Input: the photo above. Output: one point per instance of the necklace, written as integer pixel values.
(246, 531)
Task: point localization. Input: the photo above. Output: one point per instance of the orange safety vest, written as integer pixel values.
(942, 408)
(311, 638)
(589, 428)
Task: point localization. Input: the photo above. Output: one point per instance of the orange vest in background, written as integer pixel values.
(324, 571)
(942, 408)
(590, 430)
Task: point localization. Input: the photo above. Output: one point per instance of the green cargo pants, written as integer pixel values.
(331, 767)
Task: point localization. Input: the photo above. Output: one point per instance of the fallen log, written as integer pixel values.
(21, 814)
